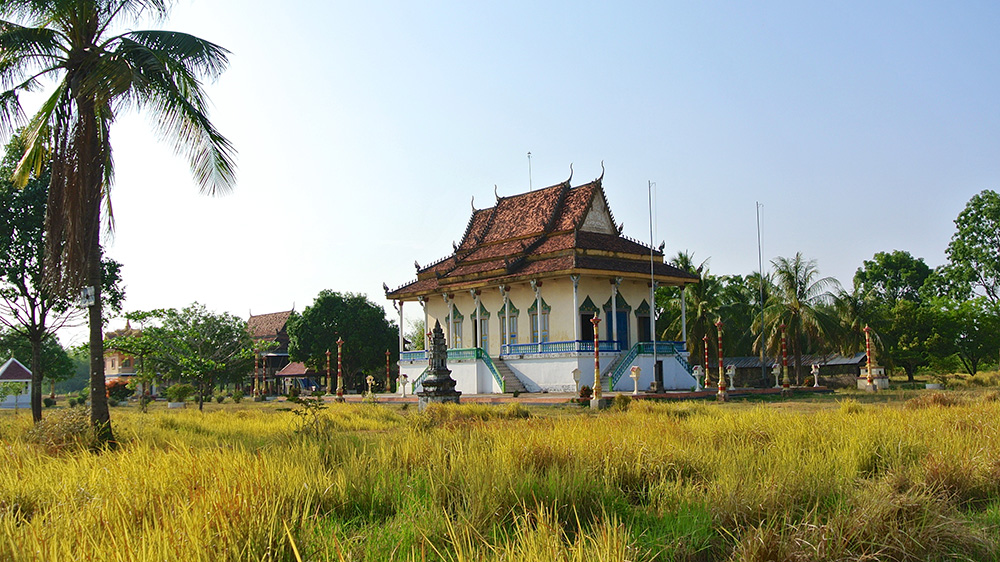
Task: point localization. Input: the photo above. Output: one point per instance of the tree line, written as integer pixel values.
(942, 319)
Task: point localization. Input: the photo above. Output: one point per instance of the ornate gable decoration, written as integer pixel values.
(598, 218)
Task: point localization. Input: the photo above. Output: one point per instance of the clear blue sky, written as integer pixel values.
(364, 129)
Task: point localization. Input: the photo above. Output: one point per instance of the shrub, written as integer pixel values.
(237, 396)
(64, 430)
(294, 392)
(113, 402)
(621, 402)
(118, 390)
(586, 392)
(72, 402)
(180, 392)
(49, 402)
(220, 397)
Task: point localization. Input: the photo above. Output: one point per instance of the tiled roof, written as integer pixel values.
(295, 369)
(267, 325)
(13, 370)
(540, 233)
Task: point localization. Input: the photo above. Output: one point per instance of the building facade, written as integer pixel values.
(517, 296)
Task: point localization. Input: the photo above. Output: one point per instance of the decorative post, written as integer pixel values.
(402, 385)
(776, 371)
(388, 381)
(704, 340)
(256, 372)
(636, 372)
(697, 370)
(576, 311)
(722, 395)
(731, 373)
(340, 369)
(329, 381)
(868, 358)
(597, 359)
(370, 380)
(576, 379)
(815, 374)
(786, 382)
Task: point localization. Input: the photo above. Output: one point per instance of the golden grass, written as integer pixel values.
(690, 481)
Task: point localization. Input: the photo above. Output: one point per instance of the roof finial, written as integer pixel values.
(570, 173)
(454, 246)
(473, 203)
(602, 172)
(497, 195)
(416, 265)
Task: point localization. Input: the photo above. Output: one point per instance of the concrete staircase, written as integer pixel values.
(510, 381)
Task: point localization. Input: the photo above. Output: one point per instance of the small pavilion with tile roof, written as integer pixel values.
(14, 372)
(516, 297)
(270, 328)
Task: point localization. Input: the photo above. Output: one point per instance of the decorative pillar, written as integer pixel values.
(722, 395)
(576, 310)
(614, 309)
(329, 381)
(868, 358)
(815, 374)
(423, 305)
(635, 374)
(447, 303)
(684, 325)
(477, 331)
(402, 340)
(256, 372)
(786, 382)
(704, 340)
(388, 380)
(537, 287)
(506, 317)
(340, 369)
(597, 359)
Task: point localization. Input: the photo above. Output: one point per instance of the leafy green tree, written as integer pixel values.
(887, 297)
(969, 328)
(416, 334)
(27, 305)
(975, 247)
(193, 345)
(97, 74)
(800, 303)
(362, 325)
(703, 306)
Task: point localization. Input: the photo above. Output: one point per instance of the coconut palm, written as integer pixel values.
(800, 303)
(98, 70)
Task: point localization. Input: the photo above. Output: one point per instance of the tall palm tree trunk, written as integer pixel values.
(100, 417)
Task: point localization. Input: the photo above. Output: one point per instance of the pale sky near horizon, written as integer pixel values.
(364, 129)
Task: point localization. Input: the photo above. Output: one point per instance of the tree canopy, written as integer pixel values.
(363, 326)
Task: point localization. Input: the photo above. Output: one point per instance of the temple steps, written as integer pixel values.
(510, 381)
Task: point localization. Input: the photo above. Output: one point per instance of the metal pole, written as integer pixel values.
(760, 282)
(652, 281)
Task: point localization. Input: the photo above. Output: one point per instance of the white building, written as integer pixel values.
(20, 377)
(516, 298)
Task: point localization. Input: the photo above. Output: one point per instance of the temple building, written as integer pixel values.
(517, 296)
(269, 333)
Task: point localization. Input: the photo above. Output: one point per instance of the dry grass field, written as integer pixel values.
(898, 476)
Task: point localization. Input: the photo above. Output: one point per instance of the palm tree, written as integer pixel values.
(799, 303)
(99, 72)
(703, 304)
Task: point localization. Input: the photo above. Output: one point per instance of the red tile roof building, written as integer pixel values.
(533, 270)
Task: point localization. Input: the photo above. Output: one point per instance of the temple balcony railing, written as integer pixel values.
(549, 347)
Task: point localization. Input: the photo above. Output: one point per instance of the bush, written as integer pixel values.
(118, 390)
(621, 402)
(180, 392)
(49, 402)
(72, 402)
(293, 392)
(237, 396)
(112, 402)
(586, 392)
(64, 430)
(220, 397)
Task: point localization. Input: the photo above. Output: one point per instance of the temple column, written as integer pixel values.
(576, 310)
(537, 286)
(447, 303)
(423, 304)
(614, 308)
(477, 329)
(505, 323)
(402, 344)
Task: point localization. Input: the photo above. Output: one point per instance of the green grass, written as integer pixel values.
(903, 475)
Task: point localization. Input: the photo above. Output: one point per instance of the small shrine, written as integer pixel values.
(438, 387)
